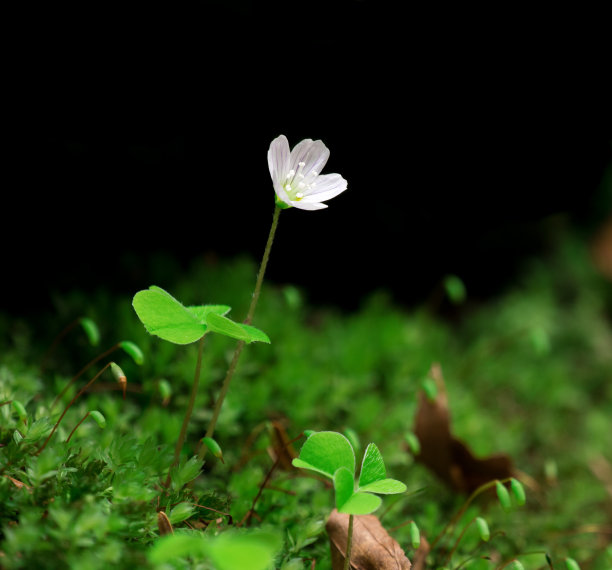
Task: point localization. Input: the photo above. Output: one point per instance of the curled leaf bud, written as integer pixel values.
(133, 350)
(119, 376)
(415, 535)
(483, 529)
(213, 447)
(503, 496)
(98, 418)
(165, 391)
(20, 410)
(163, 524)
(518, 491)
(571, 564)
(91, 330)
(413, 442)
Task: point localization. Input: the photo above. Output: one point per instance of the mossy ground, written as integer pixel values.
(528, 373)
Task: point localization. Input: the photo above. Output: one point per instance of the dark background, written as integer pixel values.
(461, 136)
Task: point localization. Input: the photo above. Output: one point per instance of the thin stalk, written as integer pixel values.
(238, 350)
(464, 507)
(83, 370)
(76, 426)
(69, 405)
(349, 544)
(190, 405)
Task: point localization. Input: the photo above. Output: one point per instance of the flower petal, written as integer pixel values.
(327, 186)
(313, 154)
(303, 205)
(278, 159)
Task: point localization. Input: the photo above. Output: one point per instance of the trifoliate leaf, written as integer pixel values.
(325, 452)
(361, 504)
(372, 466)
(385, 487)
(164, 316)
(227, 327)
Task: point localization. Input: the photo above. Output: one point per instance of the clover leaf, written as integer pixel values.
(164, 316)
(331, 454)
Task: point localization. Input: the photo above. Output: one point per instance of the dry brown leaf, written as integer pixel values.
(372, 549)
(282, 449)
(418, 560)
(449, 458)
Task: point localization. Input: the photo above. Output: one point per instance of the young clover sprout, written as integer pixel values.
(164, 316)
(331, 454)
(296, 174)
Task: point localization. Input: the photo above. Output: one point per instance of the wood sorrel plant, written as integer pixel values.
(331, 454)
(164, 316)
(297, 183)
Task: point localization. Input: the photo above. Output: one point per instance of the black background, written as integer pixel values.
(460, 134)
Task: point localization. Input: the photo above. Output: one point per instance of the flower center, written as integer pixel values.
(297, 184)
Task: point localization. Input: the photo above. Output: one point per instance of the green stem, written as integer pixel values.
(189, 411)
(230, 372)
(349, 544)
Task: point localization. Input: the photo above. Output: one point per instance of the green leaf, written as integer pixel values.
(201, 311)
(385, 487)
(372, 466)
(223, 325)
(344, 485)
(91, 330)
(227, 327)
(181, 512)
(361, 504)
(255, 335)
(175, 546)
(254, 551)
(163, 316)
(415, 535)
(325, 452)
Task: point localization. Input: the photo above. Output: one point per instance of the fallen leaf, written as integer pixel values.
(372, 547)
(448, 457)
(282, 449)
(418, 560)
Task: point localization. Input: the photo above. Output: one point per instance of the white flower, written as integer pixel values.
(296, 174)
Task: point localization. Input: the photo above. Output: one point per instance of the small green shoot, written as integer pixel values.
(91, 330)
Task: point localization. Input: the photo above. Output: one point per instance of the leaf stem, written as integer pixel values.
(349, 544)
(238, 350)
(188, 412)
